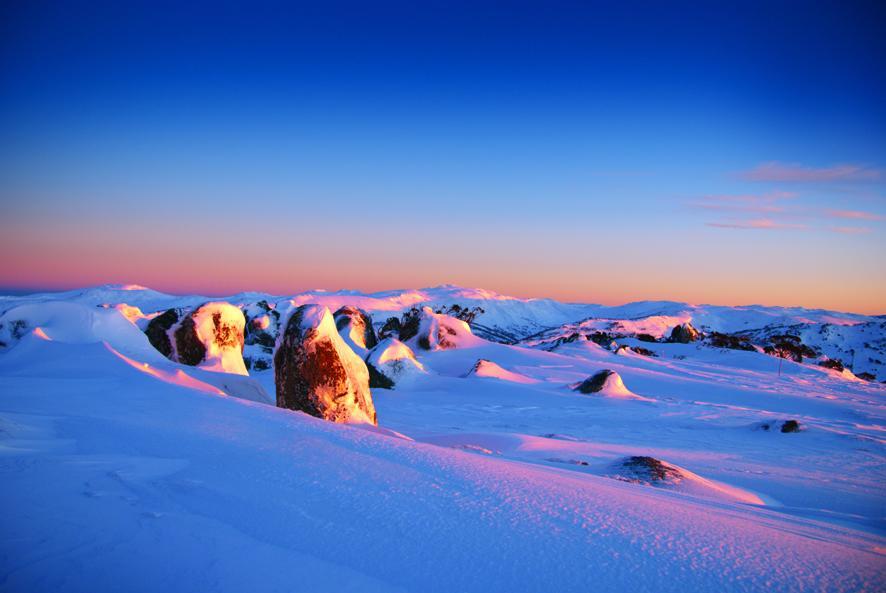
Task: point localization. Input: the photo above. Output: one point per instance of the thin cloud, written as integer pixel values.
(761, 204)
(792, 172)
(854, 215)
(756, 223)
(850, 230)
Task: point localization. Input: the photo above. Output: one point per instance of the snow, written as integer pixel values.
(127, 471)
(395, 360)
(221, 355)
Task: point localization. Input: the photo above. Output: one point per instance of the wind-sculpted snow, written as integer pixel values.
(701, 466)
(198, 492)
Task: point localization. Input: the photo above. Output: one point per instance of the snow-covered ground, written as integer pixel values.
(123, 470)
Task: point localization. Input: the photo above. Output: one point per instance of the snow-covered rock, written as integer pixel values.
(316, 372)
(262, 329)
(392, 362)
(355, 326)
(434, 331)
(607, 383)
(684, 333)
(492, 370)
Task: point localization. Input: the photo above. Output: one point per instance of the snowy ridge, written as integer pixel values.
(692, 467)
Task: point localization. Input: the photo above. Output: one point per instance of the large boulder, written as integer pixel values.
(355, 326)
(392, 362)
(684, 333)
(210, 337)
(317, 373)
(434, 331)
(158, 328)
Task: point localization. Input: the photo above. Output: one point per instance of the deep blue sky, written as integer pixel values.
(585, 151)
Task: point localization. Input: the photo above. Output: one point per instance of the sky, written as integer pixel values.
(727, 153)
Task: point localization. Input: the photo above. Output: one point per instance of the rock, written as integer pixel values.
(392, 362)
(434, 331)
(158, 331)
(355, 326)
(649, 470)
(211, 337)
(684, 333)
(866, 376)
(317, 373)
(646, 338)
(596, 382)
(790, 426)
(262, 329)
(391, 328)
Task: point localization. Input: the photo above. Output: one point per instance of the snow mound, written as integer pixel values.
(434, 331)
(73, 323)
(392, 362)
(489, 369)
(607, 383)
(650, 471)
(317, 373)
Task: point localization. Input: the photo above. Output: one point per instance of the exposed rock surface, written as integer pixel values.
(392, 362)
(597, 381)
(262, 329)
(317, 373)
(355, 326)
(684, 333)
(648, 470)
(210, 337)
(158, 331)
(428, 330)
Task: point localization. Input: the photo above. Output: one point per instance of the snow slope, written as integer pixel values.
(127, 471)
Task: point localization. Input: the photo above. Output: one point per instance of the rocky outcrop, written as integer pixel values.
(355, 326)
(210, 337)
(648, 470)
(597, 381)
(684, 333)
(317, 373)
(434, 331)
(158, 328)
(262, 329)
(392, 362)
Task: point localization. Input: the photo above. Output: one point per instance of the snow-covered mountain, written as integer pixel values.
(551, 464)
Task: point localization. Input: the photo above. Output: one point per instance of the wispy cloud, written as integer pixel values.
(854, 215)
(792, 172)
(760, 204)
(756, 223)
(850, 230)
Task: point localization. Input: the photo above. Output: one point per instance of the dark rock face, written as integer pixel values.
(157, 328)
(358, 320)
(391, 328)
(790, 426)
(650, 470)
(684, 334)
(317, 373)
(595, 382)
(188, 347)
(646, 338)
(377, 379)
